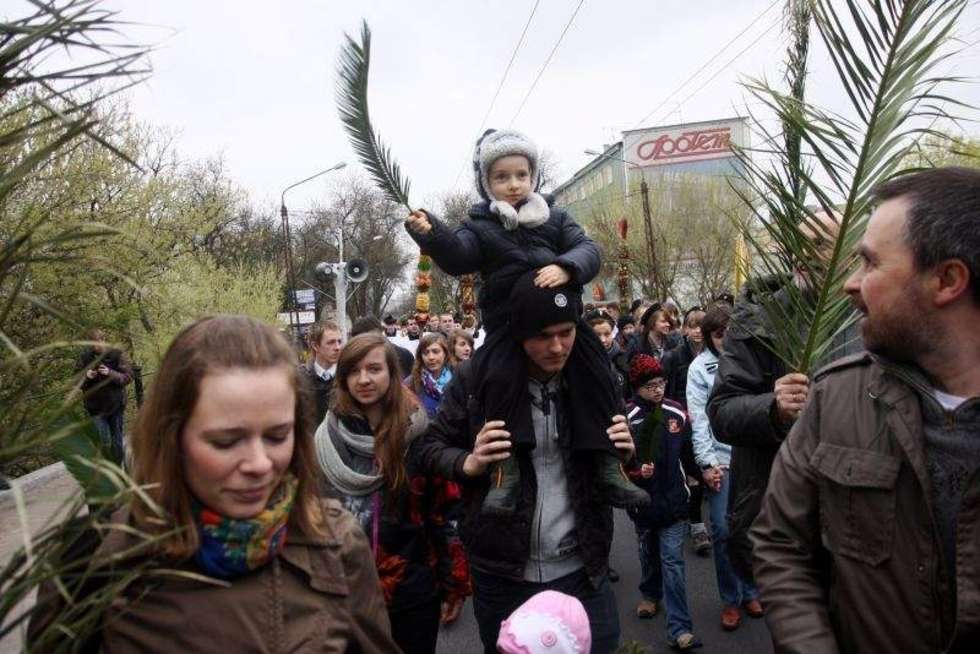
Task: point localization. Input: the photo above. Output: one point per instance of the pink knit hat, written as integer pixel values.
(548, 623)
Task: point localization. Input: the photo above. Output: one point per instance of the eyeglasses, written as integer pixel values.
(654, 385)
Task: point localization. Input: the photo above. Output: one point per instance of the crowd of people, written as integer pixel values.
(355, 501)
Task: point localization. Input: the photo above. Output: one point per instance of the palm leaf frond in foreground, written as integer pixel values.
(352, 88)
(886, 54)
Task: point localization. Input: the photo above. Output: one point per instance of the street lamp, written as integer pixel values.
(647, 215)
(290, 271)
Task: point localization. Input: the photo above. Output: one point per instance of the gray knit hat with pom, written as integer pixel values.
(495, 144)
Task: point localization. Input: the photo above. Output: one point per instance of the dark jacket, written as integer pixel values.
(620, 367)
(640, 344)
(675, 363)
(105, 395)
(482, 244)
(742, 411)
(666, 442)
(847, 550)
(405, 360)
(500, 545)
(318, 388)
(418, 551)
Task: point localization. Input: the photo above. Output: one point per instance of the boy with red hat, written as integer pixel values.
(662, 433)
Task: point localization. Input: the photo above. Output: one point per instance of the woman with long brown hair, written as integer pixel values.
(367, 456)
(223, 449)
(432, 371)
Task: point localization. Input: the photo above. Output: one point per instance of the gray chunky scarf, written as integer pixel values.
(337, 471)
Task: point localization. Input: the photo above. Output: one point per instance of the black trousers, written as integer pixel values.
(495, 598)
(416, 629)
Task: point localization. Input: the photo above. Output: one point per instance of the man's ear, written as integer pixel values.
(950, 281)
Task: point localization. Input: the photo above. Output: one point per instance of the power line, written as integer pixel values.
(500, 86)
(546, 62)
(708, 63)
(731, 61)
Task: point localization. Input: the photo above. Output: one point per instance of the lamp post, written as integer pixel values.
(647, 215)
(288, 249)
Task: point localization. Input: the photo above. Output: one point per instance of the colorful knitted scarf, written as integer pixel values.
(230, 547)
(435, 386)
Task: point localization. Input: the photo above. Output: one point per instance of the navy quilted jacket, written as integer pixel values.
(481, 244)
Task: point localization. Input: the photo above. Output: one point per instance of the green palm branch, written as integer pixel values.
(886, 54)
(352, 101)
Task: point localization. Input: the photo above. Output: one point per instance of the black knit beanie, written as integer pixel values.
(533, 309)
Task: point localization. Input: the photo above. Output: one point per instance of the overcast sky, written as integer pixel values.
(254, 80)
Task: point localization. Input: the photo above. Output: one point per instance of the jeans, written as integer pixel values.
(415, 630)
(669, 541)
(110, 430)
(651, 578)
(495, 598)
(732, 589)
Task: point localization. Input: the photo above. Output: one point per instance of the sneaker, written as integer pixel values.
(754, 608)
(646, 609)
(686, 640)
(504, 485)
(702, 543)
(612, 574)
(731, 617)
(617, 488)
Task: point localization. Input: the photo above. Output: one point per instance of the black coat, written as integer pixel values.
(482, 244)
(742, 409)
(105, 395)
(500, 545)
(619, 364)
(318, 388)
(675, 363)
(405, 360)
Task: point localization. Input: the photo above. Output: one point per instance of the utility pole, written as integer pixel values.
(340, 283)
(290, 272)
(648, 232)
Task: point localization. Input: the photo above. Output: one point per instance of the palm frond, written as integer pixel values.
(352, 101)
(886, 54)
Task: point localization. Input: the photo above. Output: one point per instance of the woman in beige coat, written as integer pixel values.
(224, 444)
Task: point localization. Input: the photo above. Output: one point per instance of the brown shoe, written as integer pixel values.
(731, 617)
(753, 608)
(646, 609)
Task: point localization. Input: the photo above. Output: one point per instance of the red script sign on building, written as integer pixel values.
(695, 143)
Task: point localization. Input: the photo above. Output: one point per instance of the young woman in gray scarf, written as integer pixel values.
(365, 448)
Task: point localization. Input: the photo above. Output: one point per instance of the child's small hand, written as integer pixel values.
(418, 222)
(552, 276)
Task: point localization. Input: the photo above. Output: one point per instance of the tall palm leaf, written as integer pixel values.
(352, 101)
(886, 54)
(352, 89)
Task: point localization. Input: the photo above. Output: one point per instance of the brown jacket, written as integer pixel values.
(847, 554)
(319, 595)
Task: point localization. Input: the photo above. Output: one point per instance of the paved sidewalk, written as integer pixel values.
(45, 493)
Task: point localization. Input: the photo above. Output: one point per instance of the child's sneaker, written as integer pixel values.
(686, 640)
(504, 483)
(616, 487)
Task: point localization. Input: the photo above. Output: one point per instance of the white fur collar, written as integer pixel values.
(533, 213)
